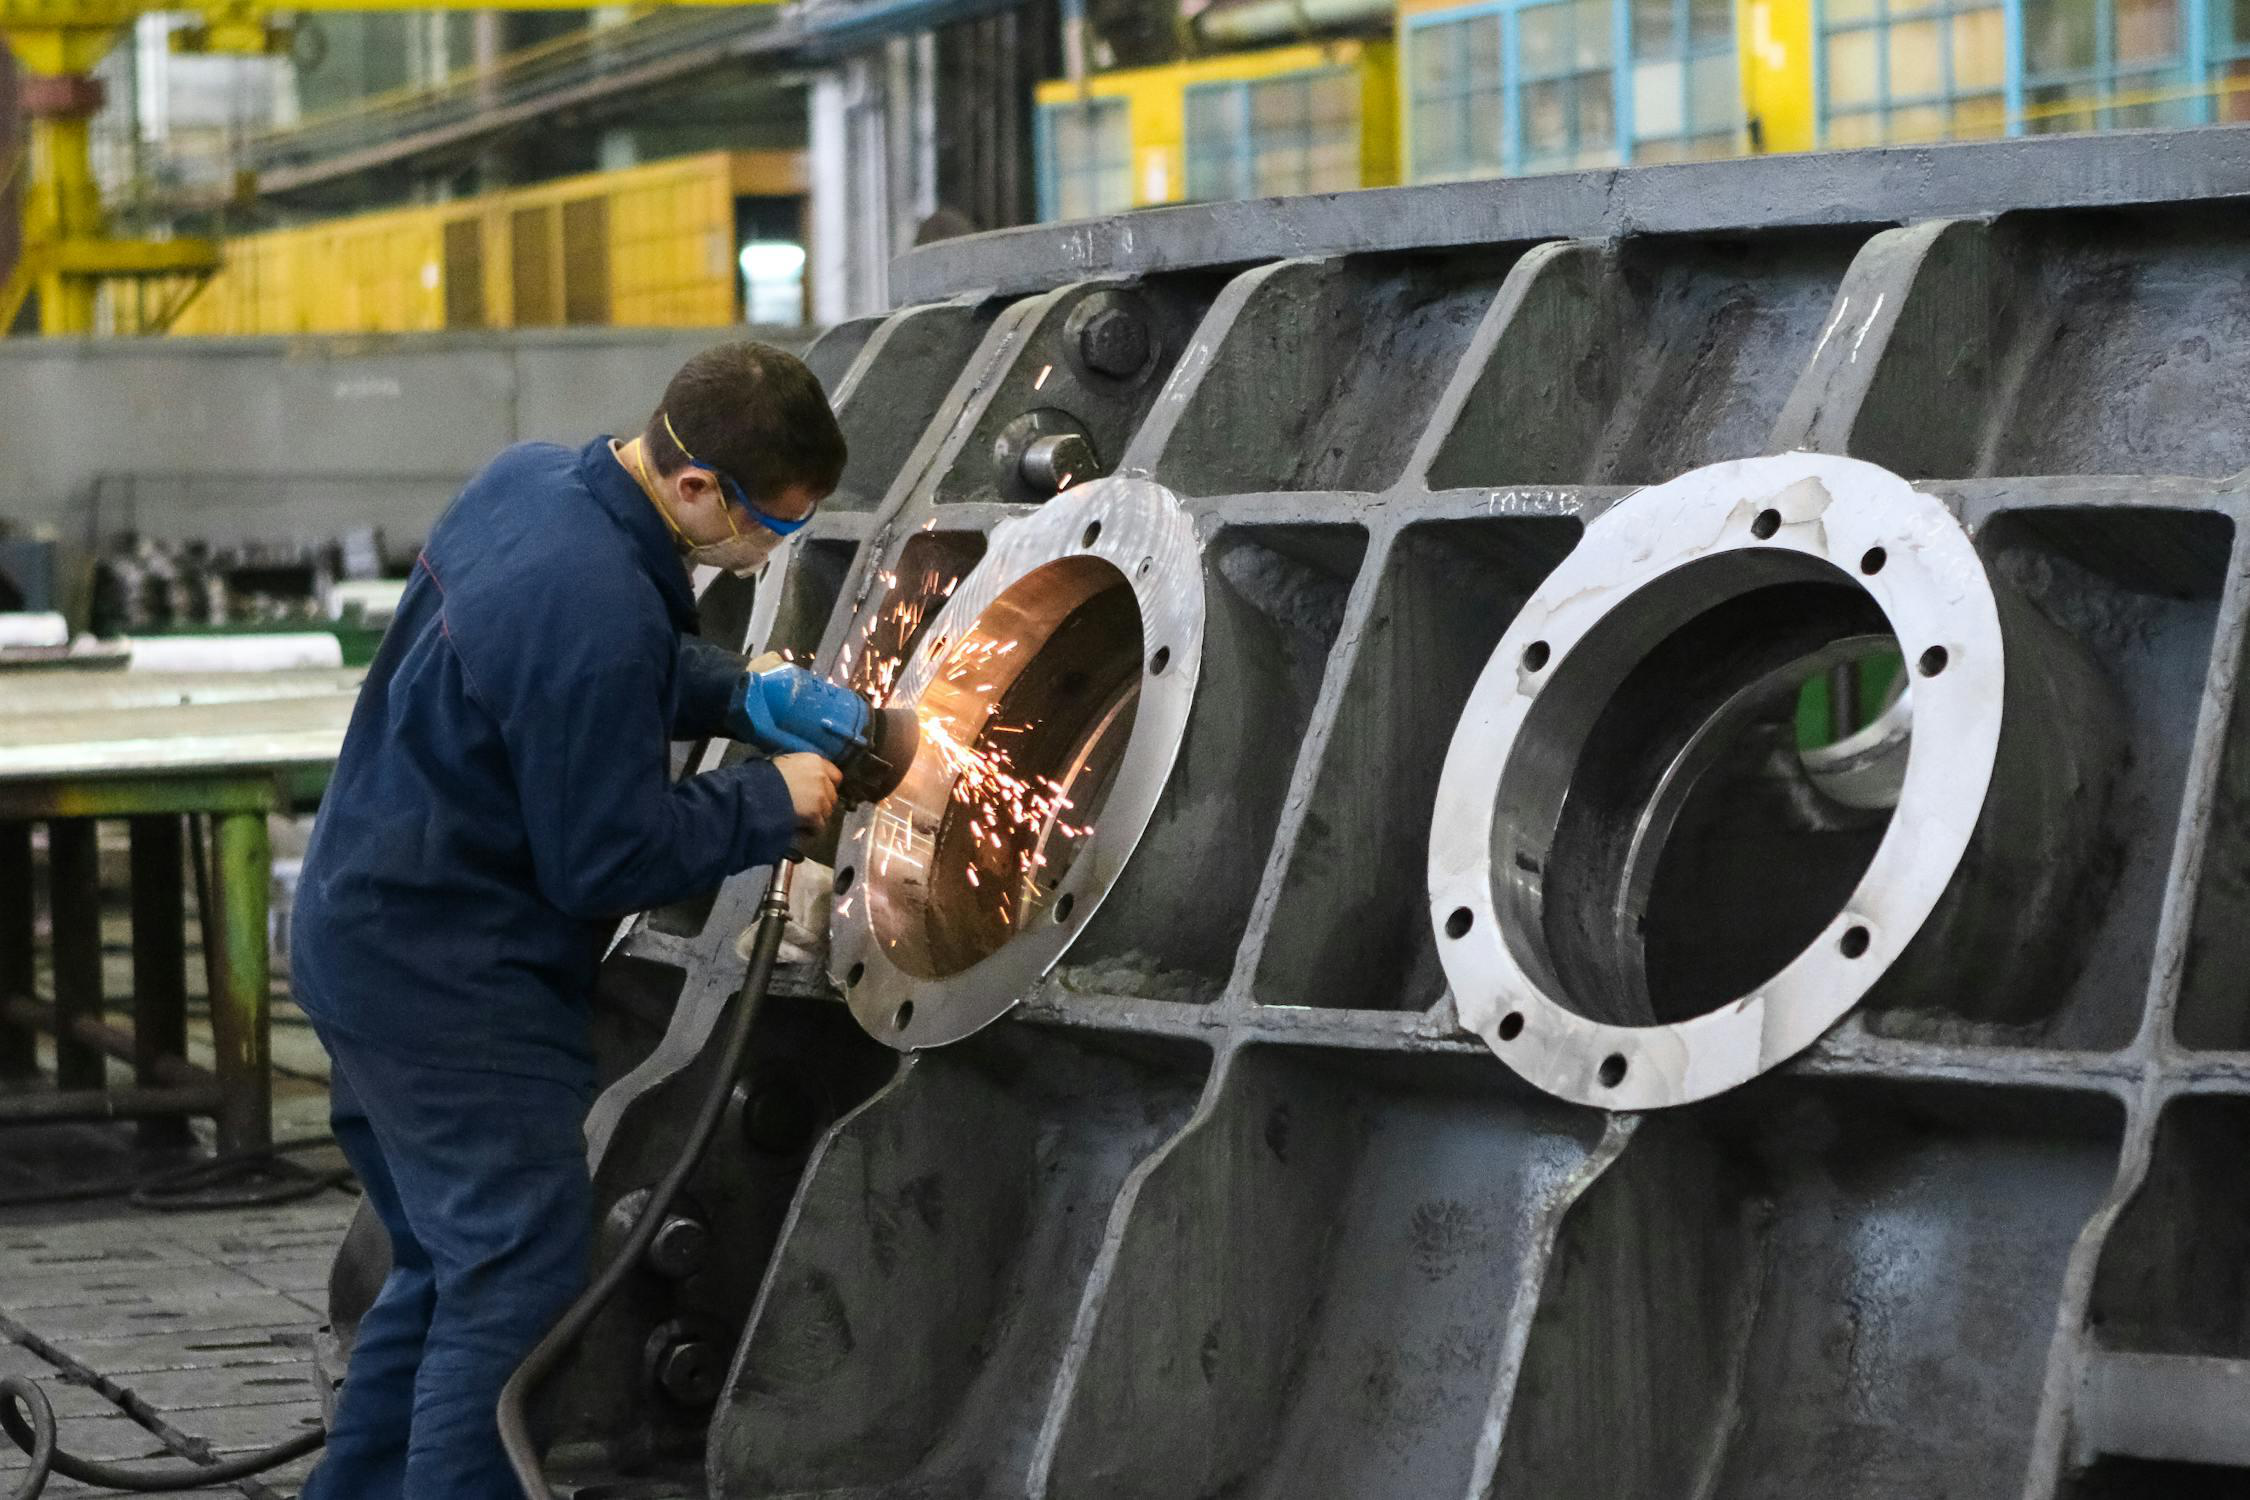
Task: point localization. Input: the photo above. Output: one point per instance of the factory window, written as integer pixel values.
(1687, 90)
(585, 239)
(1455, 90)
(531, 259)
(2101, 64)
(1912, 70)
(1566, 85)
(1086, 158)
(1296, 133)
(2230, 73)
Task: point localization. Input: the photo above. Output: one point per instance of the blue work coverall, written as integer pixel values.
(502, 799)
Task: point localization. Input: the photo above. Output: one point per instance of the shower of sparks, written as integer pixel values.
(1008, 810)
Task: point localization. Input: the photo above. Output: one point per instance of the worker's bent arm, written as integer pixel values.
(710, 679)
(610, 833)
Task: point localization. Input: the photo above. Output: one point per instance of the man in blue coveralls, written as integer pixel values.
(502, 799)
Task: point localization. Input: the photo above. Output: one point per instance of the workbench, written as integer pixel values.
(171, 757)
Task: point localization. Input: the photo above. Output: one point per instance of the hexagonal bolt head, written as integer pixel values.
(1114, 342)
(681, 1248)
(690, 1372)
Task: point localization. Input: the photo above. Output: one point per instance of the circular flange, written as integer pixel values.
(1640, 572)
(1068, 564)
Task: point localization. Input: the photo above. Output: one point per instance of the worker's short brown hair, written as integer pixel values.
(755, 414)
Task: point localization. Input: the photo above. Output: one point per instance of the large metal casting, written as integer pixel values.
(1519, 514)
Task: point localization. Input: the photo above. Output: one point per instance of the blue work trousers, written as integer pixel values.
(480, 1178)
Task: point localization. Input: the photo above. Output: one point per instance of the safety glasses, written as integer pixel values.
(773, 523)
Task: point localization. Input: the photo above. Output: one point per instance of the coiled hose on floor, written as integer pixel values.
(30, 1420)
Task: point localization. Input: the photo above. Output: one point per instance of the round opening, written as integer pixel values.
(1511, 1026)
(1161, 660)
(1871, 561)
(1932, 661)
(1025, 723)
(1613, 1070)
(903, 1017)
(1670, 847)
(1093, 534)
(844, 879)
(1767, 523)
(1854, 942)
(1457, 922)
(1535, 656)
(1143, 570)
(1065, 906)
(858, 972)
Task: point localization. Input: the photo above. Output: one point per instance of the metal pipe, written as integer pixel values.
(70, 1105)
(1264, 20)
(164, 1070)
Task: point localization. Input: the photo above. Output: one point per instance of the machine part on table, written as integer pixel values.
(1229, 1199)
(1624, 788)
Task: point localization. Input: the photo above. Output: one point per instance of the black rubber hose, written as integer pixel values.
(515, 1429)
(30, 1421)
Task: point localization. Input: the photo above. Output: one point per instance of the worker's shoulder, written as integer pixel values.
(529, 546)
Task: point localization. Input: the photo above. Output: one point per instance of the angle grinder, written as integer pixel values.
(787, 710)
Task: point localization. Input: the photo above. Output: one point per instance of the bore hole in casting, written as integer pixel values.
(1458, 921)
(1045, 685)
(903, 1017)
(852, 979)
(1854, 942)
(1511, 1026)
(1932, 661)
(1724, 723)
(844, 879)
(1093, 534)
(1064, 907)
(1613, 1070)
(1535, 656)
(1871, 561)
(1161, 660)
(1143, 570)
(1767, 523)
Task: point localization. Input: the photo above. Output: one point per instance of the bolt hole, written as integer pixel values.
(1932, 662)
(1853, 943)
(1613, 1070)
(1871, 561)
(1161, 660)
(1511, 1026)
(903, 1016)
(1092, 534)
(1768, 522)
(1064, 906)
(1535, 656)
(1147, 563)
(844, 879)
(858, 972)
(1458, 924)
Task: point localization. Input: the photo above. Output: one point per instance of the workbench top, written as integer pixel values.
(64, 723)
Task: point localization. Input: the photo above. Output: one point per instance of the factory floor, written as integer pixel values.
(163, 1335)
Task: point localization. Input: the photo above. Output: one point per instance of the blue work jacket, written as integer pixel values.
(504, 793)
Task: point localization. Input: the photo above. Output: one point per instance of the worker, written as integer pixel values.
(502, 799)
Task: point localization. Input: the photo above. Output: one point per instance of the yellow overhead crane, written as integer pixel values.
(67, 251)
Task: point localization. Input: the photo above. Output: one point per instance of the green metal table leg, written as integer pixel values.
(74, 912)
(240, 1023)
(159, 966)
(19, 1055)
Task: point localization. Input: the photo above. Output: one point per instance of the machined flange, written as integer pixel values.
(1074, 647)
(1642, 892)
